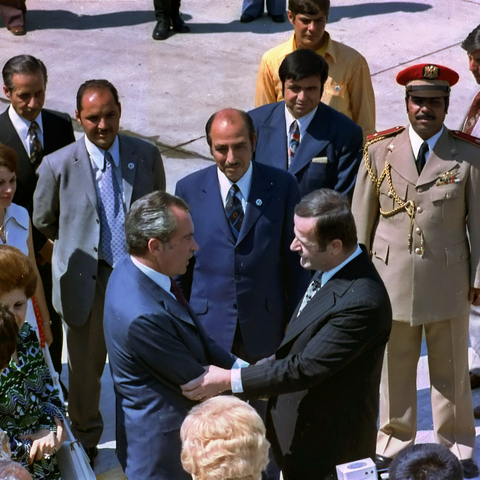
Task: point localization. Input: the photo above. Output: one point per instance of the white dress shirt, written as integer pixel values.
(303, 122)
(243, 185)
(159, 278)
(416, 142)
(21, 126)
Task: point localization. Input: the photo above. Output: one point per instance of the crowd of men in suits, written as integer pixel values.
(256, 277)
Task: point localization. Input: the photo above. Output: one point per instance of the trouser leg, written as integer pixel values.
(398, 389)
(87, 355)
(276, 7)
(166, 9)
(253, 7)
(447, 344)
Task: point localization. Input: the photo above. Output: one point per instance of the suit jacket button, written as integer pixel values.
(98, 221)
(419, 209)
(447, 196)
(418, 251)
(238, 277)
(94, 277)
(418, 230)
(235, 306)
(419, 189)
(95, 249)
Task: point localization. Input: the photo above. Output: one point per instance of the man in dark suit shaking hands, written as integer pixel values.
(323, 382)
(154, 340)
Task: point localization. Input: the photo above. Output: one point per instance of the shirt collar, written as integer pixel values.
(330, 273)
(416, 141)
(159, 278)
(328, 48)
(12, 213)
(303, 122)
(97, 155)
(21, 125)
(243, 184)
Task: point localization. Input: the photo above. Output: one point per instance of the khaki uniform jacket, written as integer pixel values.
(430, 281)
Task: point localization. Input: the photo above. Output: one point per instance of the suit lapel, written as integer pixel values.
(128, 161)
(401, 158)
(274, 133)
(170, 304)
(436, 165)
(258, 198)
(211, 197)
(82, 170)
(313, 141)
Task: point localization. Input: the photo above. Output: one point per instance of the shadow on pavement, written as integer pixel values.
(64, 19)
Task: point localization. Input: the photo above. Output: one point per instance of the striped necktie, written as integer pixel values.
(234, 210)
(473, 115)
(294, 141)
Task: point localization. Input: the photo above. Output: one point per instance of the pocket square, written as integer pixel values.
(320, 160)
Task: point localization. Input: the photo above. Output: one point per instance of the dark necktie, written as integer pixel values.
(175, 289)
(420, 162)
(312, 289)
(36, 150)
(473, 115)
(112, 228)
(294, 141)
(234, 210)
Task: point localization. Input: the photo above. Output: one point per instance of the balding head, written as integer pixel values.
(231, 115)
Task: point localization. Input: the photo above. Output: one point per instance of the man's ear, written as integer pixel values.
(154, 246)
(336, 246)
(291, 17)
(6, 91)
(77, 116)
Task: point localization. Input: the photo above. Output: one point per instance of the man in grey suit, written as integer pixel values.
(82, 195)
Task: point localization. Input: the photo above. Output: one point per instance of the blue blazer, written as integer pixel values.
(256, 279)
(328, 155)
(154, 345)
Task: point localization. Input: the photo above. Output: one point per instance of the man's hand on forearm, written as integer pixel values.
(213, 382)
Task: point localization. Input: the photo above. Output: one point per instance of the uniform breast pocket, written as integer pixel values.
(446, 200)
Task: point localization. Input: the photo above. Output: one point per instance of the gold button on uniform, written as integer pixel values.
(418, 251)
(418, 230)
(419, 209)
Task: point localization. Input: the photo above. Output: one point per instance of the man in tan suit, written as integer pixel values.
(417, 192)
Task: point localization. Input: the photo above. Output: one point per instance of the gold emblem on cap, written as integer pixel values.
(431, 72)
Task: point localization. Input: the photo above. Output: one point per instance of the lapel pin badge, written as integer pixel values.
(131, 165)
(258, 202)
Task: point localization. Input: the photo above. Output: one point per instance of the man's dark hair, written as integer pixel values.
(245, 116)
(151, 217)
(472, 42)
(96, 85)
(301, 64)
(426, 461)
(334, 217)
(309, 7)
(22, 65)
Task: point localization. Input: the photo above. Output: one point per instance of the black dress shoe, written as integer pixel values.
(474, 380)
(382, 463)
(278, 18)
(178, 25)
(470, 469)
(160, 32)
(91, 452)
(246, 18)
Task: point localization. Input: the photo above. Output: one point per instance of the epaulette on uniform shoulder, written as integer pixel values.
(465, 136)
(385, 133)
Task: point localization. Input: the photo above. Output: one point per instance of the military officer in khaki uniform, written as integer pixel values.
(417, 192)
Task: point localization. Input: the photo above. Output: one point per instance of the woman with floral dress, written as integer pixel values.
(30, 408)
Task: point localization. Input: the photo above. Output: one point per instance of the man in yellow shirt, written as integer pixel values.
(348, 88)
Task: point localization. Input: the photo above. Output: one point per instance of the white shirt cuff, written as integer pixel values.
(236, 380)
(239, 363)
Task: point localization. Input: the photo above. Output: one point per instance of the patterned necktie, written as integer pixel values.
(420, 162)
(294, 141)
(234, 210)
(473, 115)
(112, 231)
(175, 289)
(36, 150)
(312, 289)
